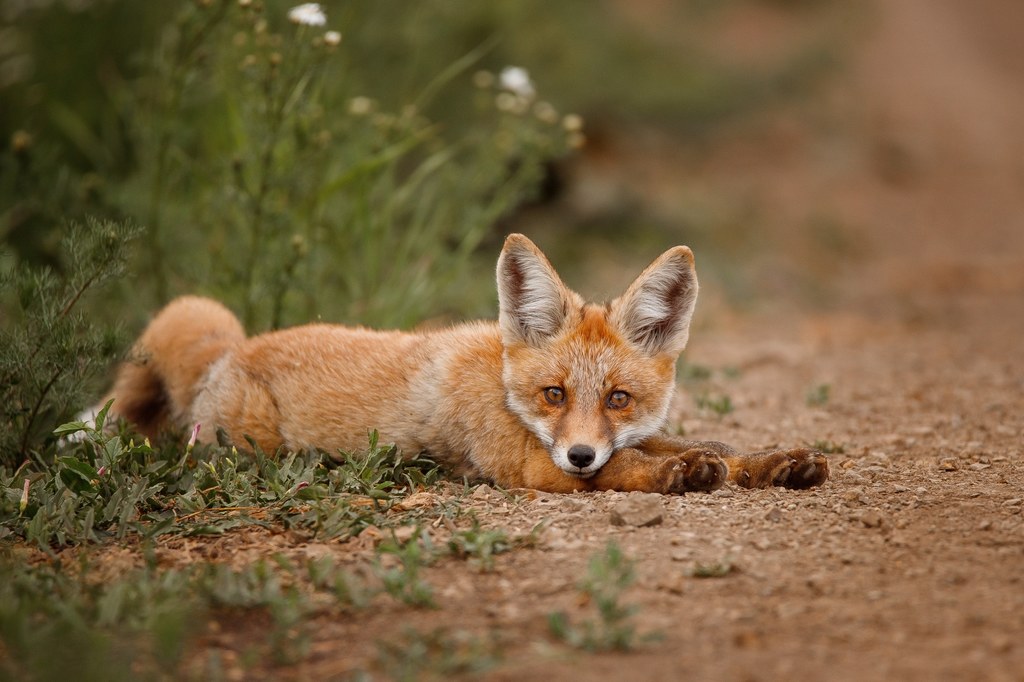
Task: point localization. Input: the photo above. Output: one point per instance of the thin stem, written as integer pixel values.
(78, 294)
(277, 103)
(186, 50)
(37, 407)
(258, 214)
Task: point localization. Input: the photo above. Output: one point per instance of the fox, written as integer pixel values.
(559, 395)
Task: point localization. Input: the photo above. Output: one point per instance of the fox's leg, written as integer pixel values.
(657, 467)
(797, 468)
(699, 466)
(669, 464)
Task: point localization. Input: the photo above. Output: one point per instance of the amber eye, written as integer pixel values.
(554, 395)
(618, 400)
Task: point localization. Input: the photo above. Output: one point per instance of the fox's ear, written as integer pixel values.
(533, 303)
(655, 311)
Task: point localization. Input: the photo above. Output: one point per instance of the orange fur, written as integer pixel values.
(558, 395)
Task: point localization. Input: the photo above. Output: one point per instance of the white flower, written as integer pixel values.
(307, 14)
(573, 123)
(360, 106)
(332, 38)
(516, 80)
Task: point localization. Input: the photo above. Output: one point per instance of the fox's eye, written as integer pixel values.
(554, 395)
(618, 399)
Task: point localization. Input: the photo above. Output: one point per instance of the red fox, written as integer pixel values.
(559, 395)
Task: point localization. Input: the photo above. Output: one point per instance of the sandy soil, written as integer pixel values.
(909, 564)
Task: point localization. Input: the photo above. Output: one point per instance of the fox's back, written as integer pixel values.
(328, 385)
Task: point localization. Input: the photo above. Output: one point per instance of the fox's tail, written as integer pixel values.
(156, 385)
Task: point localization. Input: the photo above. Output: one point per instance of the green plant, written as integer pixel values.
(414, 655)
(100, 487)
(263, 585)
(829, 447)
(718, 569)
(301, 184)
(106, 484)
(56, 621)
(721, 405)
(819, 395)
(140, 623)
(403, 581)
(268, 165)
(50, 349)
(691, 371)
(608, 575)
(382, 472)
(348, 589)
(479, 544)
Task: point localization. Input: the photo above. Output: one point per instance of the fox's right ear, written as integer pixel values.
(533, 303)
(655, 311)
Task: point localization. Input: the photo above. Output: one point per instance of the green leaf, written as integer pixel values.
(83, 469)
(101, 418)
(70, 427)
(77, 475)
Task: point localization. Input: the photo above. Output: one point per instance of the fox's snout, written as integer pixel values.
(581, 456)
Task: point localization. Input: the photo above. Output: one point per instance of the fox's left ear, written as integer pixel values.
(655, 311)
(532, 301)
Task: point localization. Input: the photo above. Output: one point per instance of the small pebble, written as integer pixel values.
(484, 492)
(570, 504)
(871, 519)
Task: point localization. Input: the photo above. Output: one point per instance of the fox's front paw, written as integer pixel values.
(696, 470)
(797, 469)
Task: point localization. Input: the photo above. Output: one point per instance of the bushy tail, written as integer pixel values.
(155, 387)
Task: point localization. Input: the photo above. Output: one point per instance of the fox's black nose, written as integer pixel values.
(581, 455)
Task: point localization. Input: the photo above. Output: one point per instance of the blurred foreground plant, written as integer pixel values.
(609, 573)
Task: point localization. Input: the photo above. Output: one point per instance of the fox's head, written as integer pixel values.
(590, 379)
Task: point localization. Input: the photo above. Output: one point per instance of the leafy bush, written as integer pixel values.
(265, 176)
(51, 349)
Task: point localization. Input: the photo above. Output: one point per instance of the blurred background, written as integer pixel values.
(818, 155)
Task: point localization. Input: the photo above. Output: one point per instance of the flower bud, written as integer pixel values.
(195, 436)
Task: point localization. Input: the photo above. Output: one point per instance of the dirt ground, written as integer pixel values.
(909, 563)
